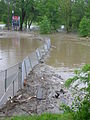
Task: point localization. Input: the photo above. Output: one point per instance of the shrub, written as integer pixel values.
(84, 27)
(80, 108)
(45, 25)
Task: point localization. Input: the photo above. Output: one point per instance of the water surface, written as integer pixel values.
(15, 49)
(69, 51)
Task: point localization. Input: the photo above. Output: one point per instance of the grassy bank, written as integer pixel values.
(44, 117)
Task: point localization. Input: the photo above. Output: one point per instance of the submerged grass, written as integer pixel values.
(65, 116)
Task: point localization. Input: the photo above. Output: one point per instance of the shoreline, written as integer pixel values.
(39, 93)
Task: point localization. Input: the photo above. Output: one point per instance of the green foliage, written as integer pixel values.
(87, 12)
(78, 75)
(53, 13)
(78, 11)
(45, 25)
(66, 108)
(58, 12)
(50, 9)
(1, 22)
(5, 18)
(86, 68)
(83, 111)
(3, 12)
(70, 80)
(65, 8)
(44, 117)
(80, 108)
(84, 27)
(83, 75)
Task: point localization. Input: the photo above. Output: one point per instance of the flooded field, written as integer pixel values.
(16, 48)
(69, 51)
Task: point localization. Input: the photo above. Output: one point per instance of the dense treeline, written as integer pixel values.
(49, 14)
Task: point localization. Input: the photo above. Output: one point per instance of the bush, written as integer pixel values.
(80, 108)
(84, 27)
(45, 25)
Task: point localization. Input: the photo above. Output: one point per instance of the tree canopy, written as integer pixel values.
(58, 12)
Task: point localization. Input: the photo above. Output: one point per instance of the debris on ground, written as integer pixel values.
(43, 92)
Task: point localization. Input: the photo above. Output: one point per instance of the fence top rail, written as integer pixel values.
(10, 67)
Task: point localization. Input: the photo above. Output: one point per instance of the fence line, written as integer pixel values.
(12, 79)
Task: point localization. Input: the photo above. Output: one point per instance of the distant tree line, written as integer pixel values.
(49, 14)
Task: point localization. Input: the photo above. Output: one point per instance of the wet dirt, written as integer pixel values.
(43, 92)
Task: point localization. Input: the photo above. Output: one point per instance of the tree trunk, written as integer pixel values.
(22, 19)
(31, 22)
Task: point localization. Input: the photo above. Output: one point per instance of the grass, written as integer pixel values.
(2, 22)
(43, 117)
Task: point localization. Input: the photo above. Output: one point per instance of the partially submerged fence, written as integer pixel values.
(12, 79)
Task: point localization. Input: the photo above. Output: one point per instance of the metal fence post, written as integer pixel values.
(25, 68)
(30, 62)
(49, 43)
(37, 56)
(40, 53)
(20, 76)
(5, 80)
(47, 47)
(13, 88)
(44, 50)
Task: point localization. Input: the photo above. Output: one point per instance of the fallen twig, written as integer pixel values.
(25, 100)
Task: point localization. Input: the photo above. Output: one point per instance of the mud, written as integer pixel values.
(39, 94)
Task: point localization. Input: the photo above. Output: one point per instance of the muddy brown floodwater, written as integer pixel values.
(15, 46)
(69, 51)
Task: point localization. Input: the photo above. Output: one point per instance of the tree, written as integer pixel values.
(78, 12)
(31, 12)
(3, 10)
(45, 25)
(49, 8)
(87, 12)
(84, 27)
(20, 10)
(53, 13)
(65, 11)
(26, 9)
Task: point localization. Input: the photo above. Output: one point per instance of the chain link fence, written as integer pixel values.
(12, 79)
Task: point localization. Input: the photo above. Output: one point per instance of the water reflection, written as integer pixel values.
(71, 51)
(15, 49)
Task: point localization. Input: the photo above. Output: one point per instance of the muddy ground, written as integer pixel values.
(43, 92)
(11, 34)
